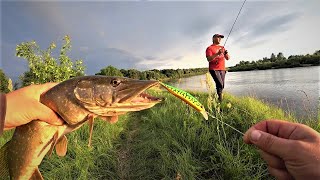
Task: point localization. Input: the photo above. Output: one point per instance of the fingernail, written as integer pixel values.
(255, 135)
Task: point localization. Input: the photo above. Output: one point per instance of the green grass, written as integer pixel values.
(168, 141)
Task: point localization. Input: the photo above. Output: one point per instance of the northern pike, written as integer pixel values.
(77, 101)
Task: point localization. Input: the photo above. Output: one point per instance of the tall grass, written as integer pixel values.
(169, 141)
(174, 141)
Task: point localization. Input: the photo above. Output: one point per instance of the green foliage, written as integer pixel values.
(43, 67)
(110, 71)
(153, 74)
(133, 73)
(278, 61)
(273, 58)
(164, 144)
(168, 141)
(4, 82)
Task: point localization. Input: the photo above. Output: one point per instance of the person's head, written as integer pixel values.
(216, 38)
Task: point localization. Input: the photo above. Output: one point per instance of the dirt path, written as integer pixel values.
(124, 153)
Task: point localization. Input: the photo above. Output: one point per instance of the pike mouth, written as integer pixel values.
(145, 98)
(139, 99)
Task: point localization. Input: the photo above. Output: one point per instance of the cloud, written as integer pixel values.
(148, 35)
(255, 43)
(99, 59)
(264, 29)
(150, 57)
(275, 25)
(178, 58)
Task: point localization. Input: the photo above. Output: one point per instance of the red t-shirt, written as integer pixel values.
(217, 63)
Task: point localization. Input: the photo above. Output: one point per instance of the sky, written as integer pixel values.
(158, 34)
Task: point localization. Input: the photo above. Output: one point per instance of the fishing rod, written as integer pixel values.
(234, 22)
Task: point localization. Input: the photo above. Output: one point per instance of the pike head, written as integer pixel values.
(101, 96)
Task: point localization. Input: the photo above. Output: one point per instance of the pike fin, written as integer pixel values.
(4, 167)
(61, 146)
(111, 119)
(91, 119)
(36, 175)
(54, 142)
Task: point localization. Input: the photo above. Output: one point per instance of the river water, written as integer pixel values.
(295, 90)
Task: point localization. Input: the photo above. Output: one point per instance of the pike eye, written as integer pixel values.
(115, 82)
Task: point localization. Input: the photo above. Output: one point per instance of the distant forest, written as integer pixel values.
(279, 61)
(154, 74)
(273, 62)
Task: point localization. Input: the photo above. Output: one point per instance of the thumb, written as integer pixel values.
(46, 114)
(270, 143)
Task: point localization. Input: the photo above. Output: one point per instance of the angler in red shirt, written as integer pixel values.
(216, 55)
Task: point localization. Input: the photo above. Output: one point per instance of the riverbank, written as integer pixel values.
(168, 141)
(233, 69)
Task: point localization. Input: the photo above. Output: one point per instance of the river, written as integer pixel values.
(295, 90)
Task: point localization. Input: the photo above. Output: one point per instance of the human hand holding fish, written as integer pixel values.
(76, 101)
(23, 106)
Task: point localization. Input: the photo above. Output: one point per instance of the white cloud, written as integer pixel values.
(147, 35)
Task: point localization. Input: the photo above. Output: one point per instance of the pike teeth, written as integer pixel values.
(144, 98)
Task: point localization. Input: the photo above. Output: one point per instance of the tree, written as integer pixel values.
(45, 68)
(134, 74)
(110, 71)
(265, 59)
(317, 53)
(3, 82)
(273, 58)
(280, 56)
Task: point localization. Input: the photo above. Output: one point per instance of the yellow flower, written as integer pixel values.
(228, 105)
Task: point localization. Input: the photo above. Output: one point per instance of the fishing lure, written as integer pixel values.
(186, 97)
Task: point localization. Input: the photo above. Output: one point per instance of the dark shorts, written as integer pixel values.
(218, 77)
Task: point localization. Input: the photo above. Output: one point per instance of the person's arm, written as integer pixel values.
(210, 56)
(3, 105)
(291, 150)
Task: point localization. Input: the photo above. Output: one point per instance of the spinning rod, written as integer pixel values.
(234, 22)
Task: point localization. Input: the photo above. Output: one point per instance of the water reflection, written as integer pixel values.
(293, 89)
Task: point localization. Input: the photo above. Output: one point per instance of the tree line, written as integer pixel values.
(153, 74)
(279, 61)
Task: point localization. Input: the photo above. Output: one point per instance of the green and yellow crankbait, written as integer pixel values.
(188, 98)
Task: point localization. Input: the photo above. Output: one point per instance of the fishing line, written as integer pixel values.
(234, 22)
(224, 46)
(225, 123)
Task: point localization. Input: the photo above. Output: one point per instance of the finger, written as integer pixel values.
(34, 91)
(44, 113)
(276, 127)
(272, 160)
(45, 87)
(280, 174)
(270, 143)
